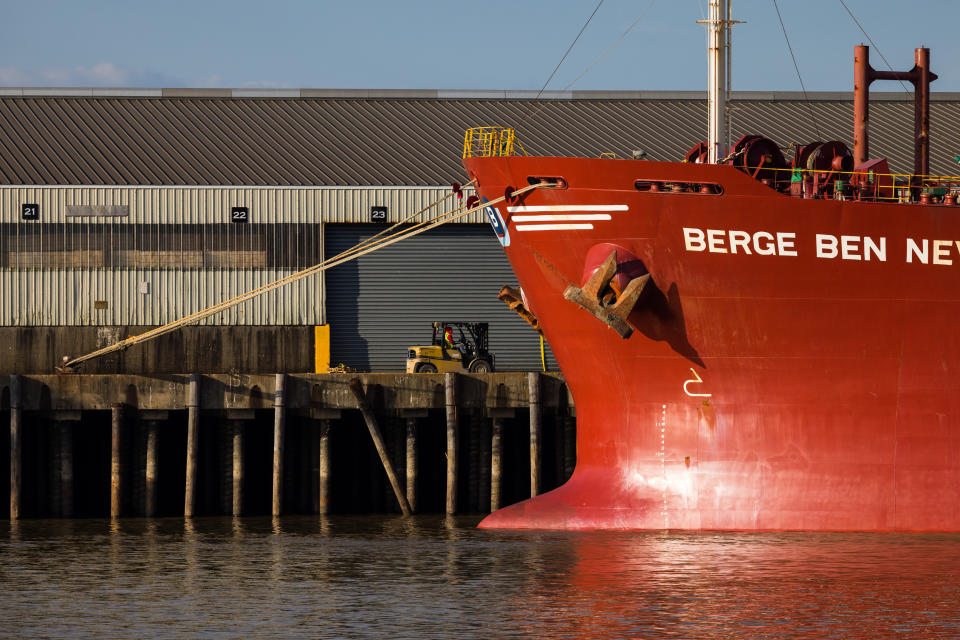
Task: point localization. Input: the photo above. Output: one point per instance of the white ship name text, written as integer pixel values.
(823, 245)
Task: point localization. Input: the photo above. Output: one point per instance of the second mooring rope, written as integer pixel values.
(379, 241)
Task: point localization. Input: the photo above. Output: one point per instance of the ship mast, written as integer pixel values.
(718, 77)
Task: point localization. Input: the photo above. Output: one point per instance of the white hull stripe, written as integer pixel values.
(568, 207)
(551, 227)
(563, 217)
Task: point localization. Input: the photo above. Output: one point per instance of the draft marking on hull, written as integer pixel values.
(695, 380)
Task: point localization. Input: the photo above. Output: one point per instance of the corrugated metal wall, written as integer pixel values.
(382, 303)
(175, 252)
(212, 204)
(102, 297)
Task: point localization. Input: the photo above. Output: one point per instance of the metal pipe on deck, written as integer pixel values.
(193, 410)
(861, 103)
(279, 418)
(921, 124)
(920, 76)
(16, 446)
(450, 400)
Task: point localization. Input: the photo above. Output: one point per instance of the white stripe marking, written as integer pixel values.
(568, 207)
(551, 227)
(561, 217)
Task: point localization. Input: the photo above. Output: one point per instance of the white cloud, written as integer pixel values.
(210, 82)
(267, 84)
(55, 76)
(12, 75)
(102, 74)
(111, 74)
(108, 73)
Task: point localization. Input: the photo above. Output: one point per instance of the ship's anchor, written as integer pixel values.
(514, 299)
(600, 297)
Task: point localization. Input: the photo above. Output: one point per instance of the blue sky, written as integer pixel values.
(454, 44)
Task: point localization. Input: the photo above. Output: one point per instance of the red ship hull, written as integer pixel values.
(767, 385)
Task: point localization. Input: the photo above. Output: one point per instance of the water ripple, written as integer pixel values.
(432, 577)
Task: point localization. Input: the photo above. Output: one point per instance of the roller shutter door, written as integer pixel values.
(383, 303)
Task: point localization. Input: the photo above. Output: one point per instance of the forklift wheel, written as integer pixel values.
(426, 367)
(480, 366)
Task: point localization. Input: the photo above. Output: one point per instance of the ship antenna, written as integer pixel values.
(718, 69)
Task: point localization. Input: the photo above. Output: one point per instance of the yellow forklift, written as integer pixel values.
(456, 346)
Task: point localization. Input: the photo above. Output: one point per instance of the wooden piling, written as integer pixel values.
(193, 416)
(54, 483)
(116, 488)
(559, 452)
(150, 473)
(44, 481)
(357, 388)
(66, 469)
(237, 467)
(484, 436)
(279, 417)
(323, 472)
(135, 489)
(16, 446)
(570, 446)
(412, 463)
(533, 380)
(305, 467)
(450, 398)
(473, 464)
(496, 463)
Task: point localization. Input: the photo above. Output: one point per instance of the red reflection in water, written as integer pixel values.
(758, 586)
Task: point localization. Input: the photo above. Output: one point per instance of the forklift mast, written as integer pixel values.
(473, 334)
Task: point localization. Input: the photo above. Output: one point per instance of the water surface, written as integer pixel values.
(428, 576)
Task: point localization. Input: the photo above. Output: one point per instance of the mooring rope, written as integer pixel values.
(806, 98)
(873, 44)
(370, 245)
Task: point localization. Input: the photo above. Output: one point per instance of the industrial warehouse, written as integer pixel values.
(148, 205)
(122, 210)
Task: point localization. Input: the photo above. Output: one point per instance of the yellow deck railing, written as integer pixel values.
(485, 142)
(890, 187)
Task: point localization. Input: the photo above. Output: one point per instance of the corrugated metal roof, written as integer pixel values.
(359, 138)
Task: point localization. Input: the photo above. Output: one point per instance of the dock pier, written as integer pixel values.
(84, 445)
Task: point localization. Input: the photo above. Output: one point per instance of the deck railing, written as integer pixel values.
(485, 142)
(866, 185)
